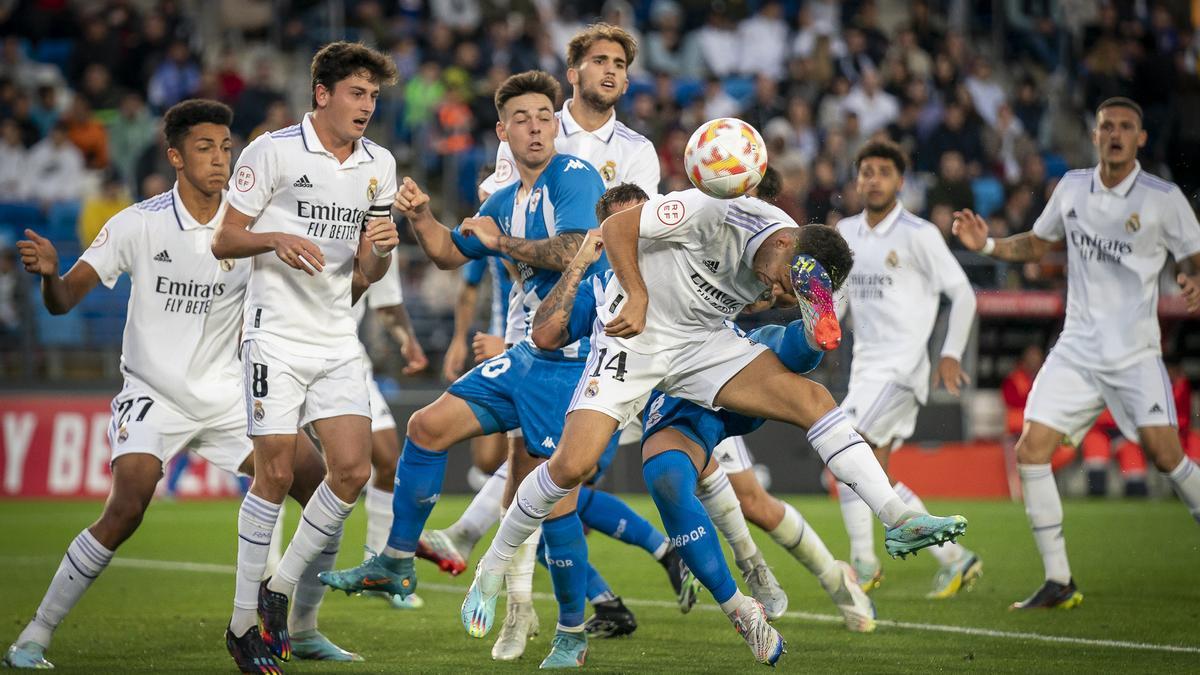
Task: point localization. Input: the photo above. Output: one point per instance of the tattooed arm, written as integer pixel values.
(971, 229)
(552, 320)
(554, 253)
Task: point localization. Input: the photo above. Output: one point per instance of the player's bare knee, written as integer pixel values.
(424, 430)
(121, 518)
(566, 471)
(1031, 451)
(1164, 448)
(754, 504)
(348, 481)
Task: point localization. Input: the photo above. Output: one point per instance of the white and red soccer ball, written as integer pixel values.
(725, 158)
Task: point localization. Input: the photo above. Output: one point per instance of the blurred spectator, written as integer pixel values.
(795, 131)
(866, 22)
(86, 132)
(809, 32)
(145, 50)
(821, 194)
(154, 184)
(175, 79)
(10, 299)
(717, 103)
(97, 87)
(46, 109)
(97, 45)
(422, 95)
(718, 44)
(259, 94)
(1029, 107)
(153, 162)
(928, 27)
(953, 187)
(667, 51)
(908, 51)
(100, 206)
(12, 161)
(278, 116)
(766, 104)
(874, 107)
(230, 83)
(129, 134)
(763, 37)
(462, 16)
(829, 112)
(1007, 142)
(1106, 74)
(54, 171)
(857, 59)
(956, 134)
(986, 93)
(19, 69)
(1032, 30)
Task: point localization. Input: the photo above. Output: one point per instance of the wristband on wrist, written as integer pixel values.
(378, 254)
(988, 246)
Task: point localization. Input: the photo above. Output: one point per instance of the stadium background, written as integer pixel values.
(991, 99)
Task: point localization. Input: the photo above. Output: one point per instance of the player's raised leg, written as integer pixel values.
(766, 388)
(450, 548)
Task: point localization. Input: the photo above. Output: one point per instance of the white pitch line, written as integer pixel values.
(210, 568)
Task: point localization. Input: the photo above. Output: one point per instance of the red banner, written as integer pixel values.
(57, 447)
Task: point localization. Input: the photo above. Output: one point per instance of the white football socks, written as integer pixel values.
(850, 459)
(1044, 508)
(256, 521)
(378, 505)
(721, 502)
(535, 498)
(482, 513)
(949, 552)
(806, 546)
(860, 525)
(278, 539)
(1186, 481)
(518, 579)
(306, 601)
(85, 559)
(320, 524)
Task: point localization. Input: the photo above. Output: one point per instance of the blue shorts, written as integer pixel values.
(705, 427)
(523, 389)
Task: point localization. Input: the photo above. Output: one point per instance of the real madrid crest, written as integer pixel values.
(593, 388)
(259, 413)
(226, 264)
(892, 260)
(372, 188)
(609, 171)
(122, 434)
(1133, 224)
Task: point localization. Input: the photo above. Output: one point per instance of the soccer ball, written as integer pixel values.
(725, 158)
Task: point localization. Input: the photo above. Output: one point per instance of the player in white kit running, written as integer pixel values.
(309, 204)
(683, 263)
(1118, 223)
(178, 356)
(902, 267)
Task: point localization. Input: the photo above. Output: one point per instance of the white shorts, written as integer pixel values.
(285, 392)
(883, 411)
(617, 382)
(733, 456)
(381, 414)
(144, 423)
(1067, 397)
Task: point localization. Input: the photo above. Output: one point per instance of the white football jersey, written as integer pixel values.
(696, 255)
(1117, 242)
(620, 154)
(901, 268)
(289, 183)
(383, 293)
(185, 306)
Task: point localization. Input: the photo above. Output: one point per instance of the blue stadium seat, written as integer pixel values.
(57, 52)
(21, 215)
(740, 89)
(1056, 166)
(55, 331)
(62, 221)
(687, 90)
(989, 195)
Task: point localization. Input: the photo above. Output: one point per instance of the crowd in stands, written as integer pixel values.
(991, 100)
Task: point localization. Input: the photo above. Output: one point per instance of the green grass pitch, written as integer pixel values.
(1137, 563)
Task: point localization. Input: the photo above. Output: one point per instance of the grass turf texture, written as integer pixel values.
(1136, 563)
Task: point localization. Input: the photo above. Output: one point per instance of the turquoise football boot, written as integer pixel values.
(479, 607)
(27, 655)
(311, 645)
(567, 650)
(396, 576)
(921, 531)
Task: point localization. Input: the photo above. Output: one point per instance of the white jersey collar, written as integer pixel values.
(570, 126)
(886, 224)
(308, 134)
(184, 219)
(1120, 189)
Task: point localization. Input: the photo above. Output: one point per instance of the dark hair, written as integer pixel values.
(625, 193)
(181, 117)
(769, 186)
(528, 82)
(584, 39)
(883, 149)
(338, 60)
(830, 249)
(1120, 102)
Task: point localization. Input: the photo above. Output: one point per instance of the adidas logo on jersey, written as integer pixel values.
(548, 443)
(1071, 214)
(712, 265)
(1156, 408)
(302, 182)
(163, 256)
